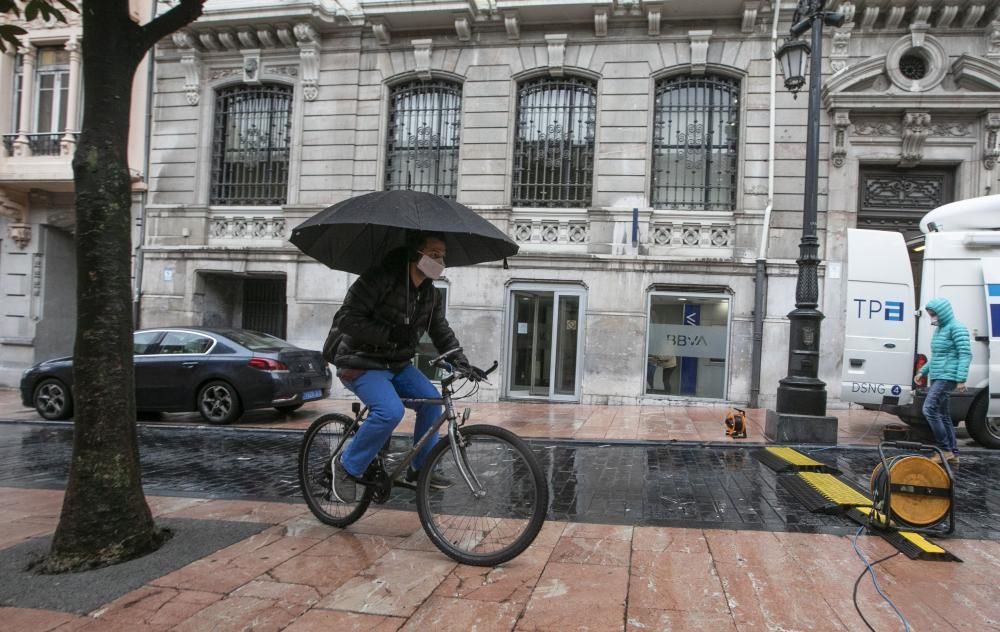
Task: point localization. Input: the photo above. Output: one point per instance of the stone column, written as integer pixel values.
(68, 144)
(22, 146)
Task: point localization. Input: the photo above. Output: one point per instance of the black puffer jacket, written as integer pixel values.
(375, 303)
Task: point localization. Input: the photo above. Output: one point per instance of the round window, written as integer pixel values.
(913, 66)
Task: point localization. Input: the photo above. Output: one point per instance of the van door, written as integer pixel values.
(991, 285)
(880, 323)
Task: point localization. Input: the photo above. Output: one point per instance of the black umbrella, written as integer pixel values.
(355, 234)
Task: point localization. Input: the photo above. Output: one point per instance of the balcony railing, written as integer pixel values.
(48, 144)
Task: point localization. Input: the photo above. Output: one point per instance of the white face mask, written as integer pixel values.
(431, 268)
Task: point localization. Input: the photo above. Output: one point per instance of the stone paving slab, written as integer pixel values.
(84, 592)
(671, 579)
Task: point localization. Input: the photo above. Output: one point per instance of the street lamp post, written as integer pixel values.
(800, 414)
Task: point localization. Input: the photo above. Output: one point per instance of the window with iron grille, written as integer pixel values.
(424, 131)
(554, 142)
(251, 145)
(695, 143)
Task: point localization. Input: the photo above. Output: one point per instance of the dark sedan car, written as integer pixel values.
(218, 372)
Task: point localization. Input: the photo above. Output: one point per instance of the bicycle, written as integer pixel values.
(489, 515)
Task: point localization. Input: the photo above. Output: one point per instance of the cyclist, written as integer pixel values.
(384, 314)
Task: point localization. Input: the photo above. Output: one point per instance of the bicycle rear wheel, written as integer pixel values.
(325, 439)
(497, 525)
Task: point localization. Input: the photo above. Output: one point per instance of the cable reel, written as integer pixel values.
(911, 492)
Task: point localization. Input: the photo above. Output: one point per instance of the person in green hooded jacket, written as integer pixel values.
(951, 355)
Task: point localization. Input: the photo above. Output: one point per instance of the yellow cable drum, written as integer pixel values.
(920, 494)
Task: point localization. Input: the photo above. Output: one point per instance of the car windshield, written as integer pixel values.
(255, 340)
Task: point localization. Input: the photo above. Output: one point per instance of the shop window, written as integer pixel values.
(687, 345)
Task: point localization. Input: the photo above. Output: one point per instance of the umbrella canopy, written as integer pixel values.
(355, 234)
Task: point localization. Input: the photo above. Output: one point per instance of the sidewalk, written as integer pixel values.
(555, 421)
(383, 574)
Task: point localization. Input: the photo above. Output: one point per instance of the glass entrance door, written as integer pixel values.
(544, 344)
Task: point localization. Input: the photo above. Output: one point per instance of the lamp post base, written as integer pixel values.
(795, 428)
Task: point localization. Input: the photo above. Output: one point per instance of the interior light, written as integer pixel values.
(919, 248)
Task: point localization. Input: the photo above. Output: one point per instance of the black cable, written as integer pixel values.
(857, 582)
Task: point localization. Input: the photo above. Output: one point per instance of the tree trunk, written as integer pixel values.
(105, 518)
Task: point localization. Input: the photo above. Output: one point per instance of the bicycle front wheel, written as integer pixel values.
(326, 438)
(498, 523)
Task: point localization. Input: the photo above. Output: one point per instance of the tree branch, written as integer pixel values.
(181, 15)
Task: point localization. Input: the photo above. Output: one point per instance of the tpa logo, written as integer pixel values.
(870, 308)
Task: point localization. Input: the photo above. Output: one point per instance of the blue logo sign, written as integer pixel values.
(871, 308)
(896, 390)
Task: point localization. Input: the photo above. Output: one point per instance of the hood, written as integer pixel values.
(941, 307)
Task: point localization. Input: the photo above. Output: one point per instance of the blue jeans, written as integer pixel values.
(938, 413)
(381, 391)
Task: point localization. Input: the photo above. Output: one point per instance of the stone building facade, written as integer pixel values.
(40, 119)
(644, 155)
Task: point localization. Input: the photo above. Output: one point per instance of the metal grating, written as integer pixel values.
(554, 142)
(251, 145)
(264, 307)
(424, 134)
(696, 143)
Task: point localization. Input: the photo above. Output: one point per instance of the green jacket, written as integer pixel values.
(951, 352)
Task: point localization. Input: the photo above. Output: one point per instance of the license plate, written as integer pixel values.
(311, 395)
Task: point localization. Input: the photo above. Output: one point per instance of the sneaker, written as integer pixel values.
(345, 486)
(953, 461)
(410, 480)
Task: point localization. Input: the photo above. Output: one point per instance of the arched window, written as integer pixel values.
(695, 143)
(251, 144)
(554, 142)
(424, 133)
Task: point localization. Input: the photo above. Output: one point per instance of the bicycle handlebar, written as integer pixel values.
(471, 372)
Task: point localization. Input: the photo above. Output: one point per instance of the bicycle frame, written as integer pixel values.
(458, 450)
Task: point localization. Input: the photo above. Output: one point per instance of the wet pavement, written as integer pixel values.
(665, 484)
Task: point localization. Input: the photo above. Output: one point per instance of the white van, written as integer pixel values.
(886, 340)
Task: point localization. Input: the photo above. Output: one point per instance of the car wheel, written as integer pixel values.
(288, 410)
(981, 428)
(52, 400)
(218, 403)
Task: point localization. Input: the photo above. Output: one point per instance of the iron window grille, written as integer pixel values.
(554, 142)
(695, 143)
(423, 140)
(251, 145)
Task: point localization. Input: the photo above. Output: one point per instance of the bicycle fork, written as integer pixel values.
(458, 450)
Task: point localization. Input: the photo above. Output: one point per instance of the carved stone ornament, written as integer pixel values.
(841, 121)
(699, 51)
(600, 22)
(916, 128)
(307, 40)
(20, 233)
(511, 25)
(251, 66)
(557, 53)
(191, 64)
(463, 29)
(750, 10)
(381, 31)
(653, 15)
(992, 146)
(993, 39)
(839, 55)
(422, 54)
(973, 14)
(947, 15)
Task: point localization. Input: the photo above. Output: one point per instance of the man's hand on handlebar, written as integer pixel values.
(461, 365)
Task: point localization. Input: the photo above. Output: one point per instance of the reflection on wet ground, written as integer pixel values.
(656, 483)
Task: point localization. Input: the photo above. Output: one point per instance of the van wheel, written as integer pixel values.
(985, 431)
